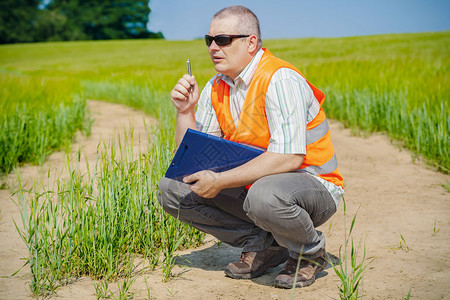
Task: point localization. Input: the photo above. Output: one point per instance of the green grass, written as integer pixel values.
(37, 116)
(396, 84)
(96, 222)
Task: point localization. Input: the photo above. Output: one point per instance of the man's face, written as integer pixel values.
(231, 59)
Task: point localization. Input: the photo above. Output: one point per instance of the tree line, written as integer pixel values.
(69, 20)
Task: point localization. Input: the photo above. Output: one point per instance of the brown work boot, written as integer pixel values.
(306, 273)
(254, 264)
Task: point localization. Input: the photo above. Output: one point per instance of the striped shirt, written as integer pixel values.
(290, 104)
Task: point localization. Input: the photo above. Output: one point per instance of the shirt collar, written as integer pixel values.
(246, 75)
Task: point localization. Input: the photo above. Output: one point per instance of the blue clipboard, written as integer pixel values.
(200, 151)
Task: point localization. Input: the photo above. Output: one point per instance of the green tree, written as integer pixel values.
(17, 20)
(66, 20)
(103, 19)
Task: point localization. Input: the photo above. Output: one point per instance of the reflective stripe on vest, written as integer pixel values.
(326, 168)
(253, 128)
(314, 134)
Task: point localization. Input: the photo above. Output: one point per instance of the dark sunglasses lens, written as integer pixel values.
(223, 40)
(208, 40)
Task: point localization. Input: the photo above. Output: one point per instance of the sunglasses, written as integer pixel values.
(222, 39)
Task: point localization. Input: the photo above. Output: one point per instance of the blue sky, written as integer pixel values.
(186, 20)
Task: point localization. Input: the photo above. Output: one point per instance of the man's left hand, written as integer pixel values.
(206, 183)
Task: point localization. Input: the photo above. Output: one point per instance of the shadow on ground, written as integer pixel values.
(216, 258)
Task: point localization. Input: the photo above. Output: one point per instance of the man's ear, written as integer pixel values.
(253, 45)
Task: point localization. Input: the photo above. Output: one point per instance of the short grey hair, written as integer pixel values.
(248, 21)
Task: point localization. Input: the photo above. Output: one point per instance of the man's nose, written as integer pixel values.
(214, 46)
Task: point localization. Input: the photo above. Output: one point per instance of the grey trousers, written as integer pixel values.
(286, 207)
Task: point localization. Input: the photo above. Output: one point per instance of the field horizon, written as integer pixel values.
(398, 82)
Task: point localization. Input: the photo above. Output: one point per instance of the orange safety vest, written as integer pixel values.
(253, 128)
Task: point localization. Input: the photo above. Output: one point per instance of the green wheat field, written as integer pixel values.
(395, 84)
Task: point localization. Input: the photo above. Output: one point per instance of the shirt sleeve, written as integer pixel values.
(288, 100)
(205, 116)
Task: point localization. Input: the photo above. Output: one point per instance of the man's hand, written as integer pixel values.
(206, 183)
(182, 98)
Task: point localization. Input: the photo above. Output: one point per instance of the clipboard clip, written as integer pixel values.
(179, 155)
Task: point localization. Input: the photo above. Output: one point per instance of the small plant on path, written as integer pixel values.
(349, 270)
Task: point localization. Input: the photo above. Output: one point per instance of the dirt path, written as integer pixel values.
(392, 197)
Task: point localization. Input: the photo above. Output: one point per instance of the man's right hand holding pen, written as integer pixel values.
(181, 95)
(184, 101)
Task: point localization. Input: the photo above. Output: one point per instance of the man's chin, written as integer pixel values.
(221, 69)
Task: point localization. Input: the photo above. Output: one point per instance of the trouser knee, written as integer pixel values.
(260, 204)
(165, 196)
